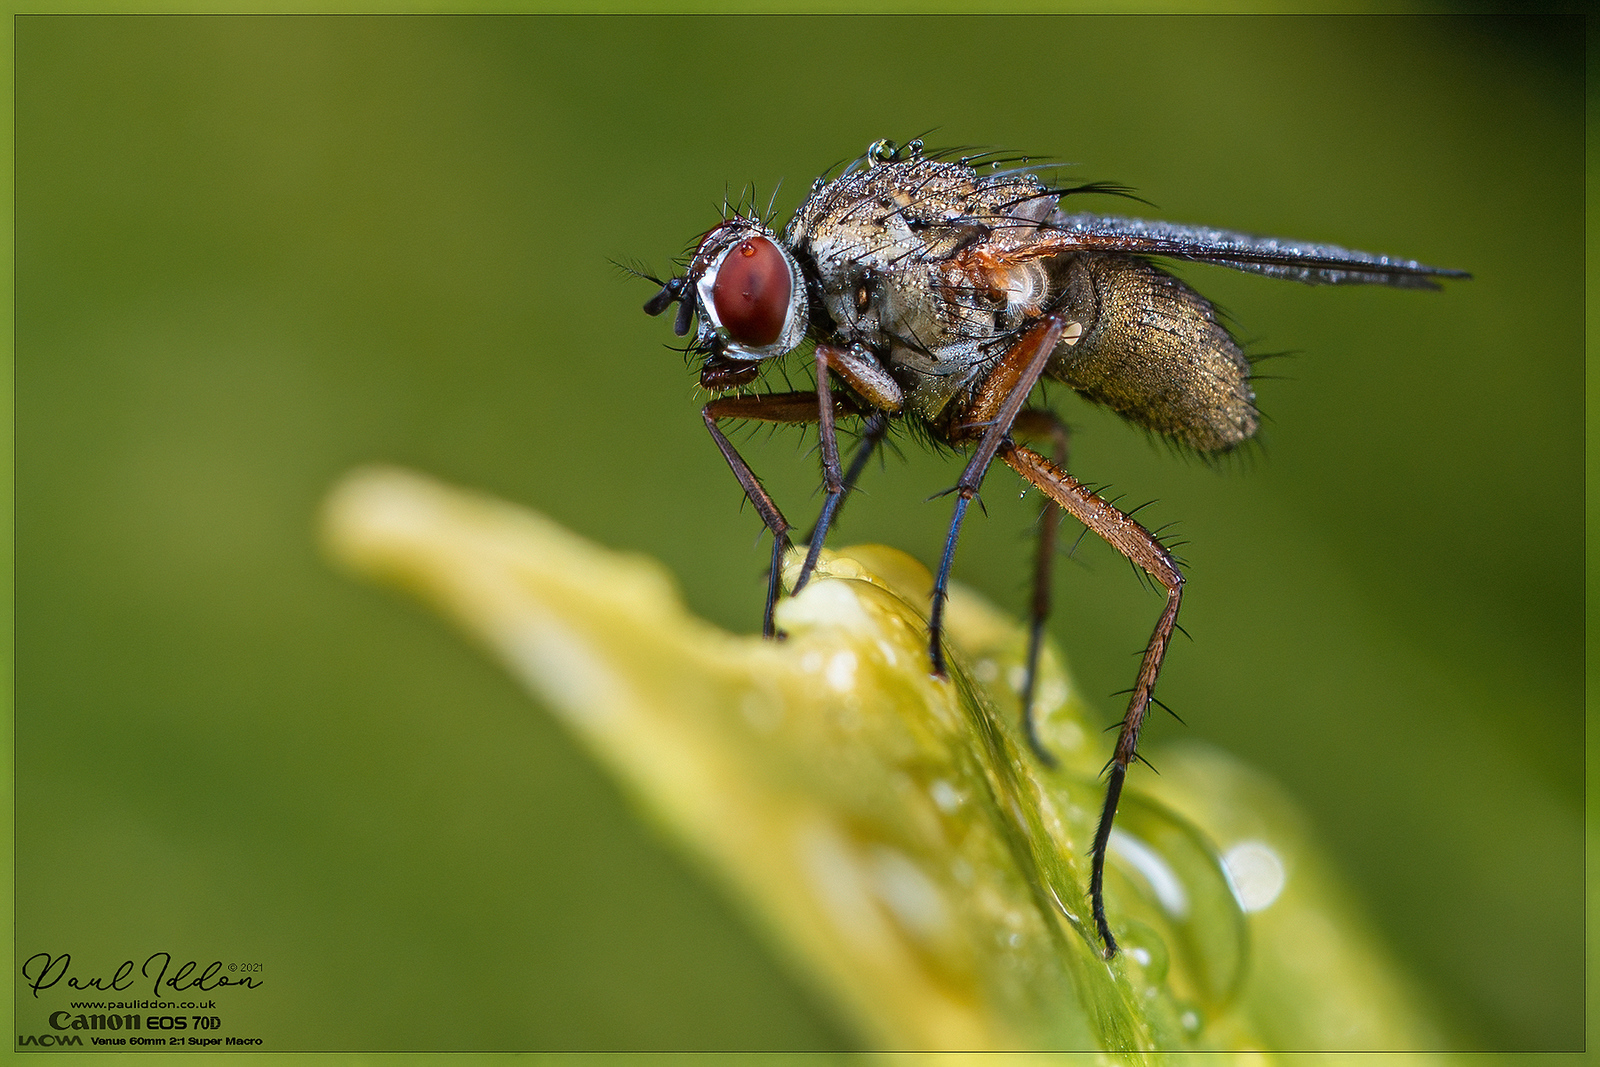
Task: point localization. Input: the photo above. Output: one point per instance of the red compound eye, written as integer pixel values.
(752, 292)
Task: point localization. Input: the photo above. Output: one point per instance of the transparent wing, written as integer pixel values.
(1314, 264)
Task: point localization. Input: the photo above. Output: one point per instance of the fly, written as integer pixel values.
(934, 294)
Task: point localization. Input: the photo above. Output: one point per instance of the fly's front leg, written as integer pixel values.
(770, 407)
(992, 411)
(1039, 423)
(861, 370)
(1140, 546)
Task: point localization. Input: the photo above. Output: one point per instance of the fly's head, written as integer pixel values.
(749, 296)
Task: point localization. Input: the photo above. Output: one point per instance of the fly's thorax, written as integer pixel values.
(986, 294)
(946, 205)
(932, 338)
(884, 238)
(1153, 351)
(870, 267)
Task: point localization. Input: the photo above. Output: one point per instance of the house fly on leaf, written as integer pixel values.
(939, 288)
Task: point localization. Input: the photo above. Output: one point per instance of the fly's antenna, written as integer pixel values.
(673, 291)
(633, 268)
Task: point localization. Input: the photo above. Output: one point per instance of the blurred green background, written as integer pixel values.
(252, 253)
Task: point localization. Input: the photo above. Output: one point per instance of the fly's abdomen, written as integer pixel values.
(1154, 352)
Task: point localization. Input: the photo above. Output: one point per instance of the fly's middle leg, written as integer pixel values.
(988, 419)
(859, 369)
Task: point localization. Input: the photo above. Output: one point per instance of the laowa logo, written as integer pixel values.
(48, 1040)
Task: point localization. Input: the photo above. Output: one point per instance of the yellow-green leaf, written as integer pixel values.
(888, 830)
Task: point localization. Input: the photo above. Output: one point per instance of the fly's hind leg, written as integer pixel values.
(1039, 423)
(767, 407)
(1141, 547)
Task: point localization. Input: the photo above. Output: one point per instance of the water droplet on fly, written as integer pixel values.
(1178, 903)
(882, 151)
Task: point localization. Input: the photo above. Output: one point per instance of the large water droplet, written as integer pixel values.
(1169, 882)
(1257, 873)
(1147, 948)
